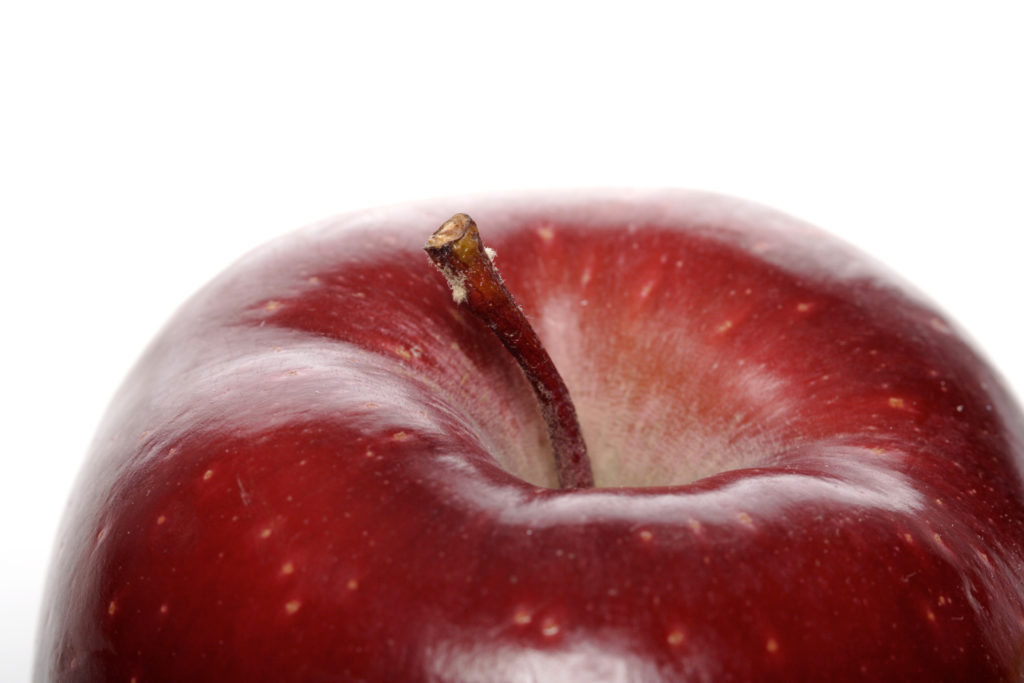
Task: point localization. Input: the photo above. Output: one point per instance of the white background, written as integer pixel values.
(144, 146)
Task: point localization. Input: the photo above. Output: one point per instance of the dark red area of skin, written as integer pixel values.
(298, 482)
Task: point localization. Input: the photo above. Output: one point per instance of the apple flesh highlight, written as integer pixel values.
(323, 468)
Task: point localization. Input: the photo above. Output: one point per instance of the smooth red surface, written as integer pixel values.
(322, 470)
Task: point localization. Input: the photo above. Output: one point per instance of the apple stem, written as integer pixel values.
(458, 252)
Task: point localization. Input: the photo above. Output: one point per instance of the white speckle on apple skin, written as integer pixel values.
(675, 637)
(288, 568)
(550, 627)
(522, 617)
(292, 606)
(207, 475)
(771, 645)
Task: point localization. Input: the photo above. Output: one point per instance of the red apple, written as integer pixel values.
(324, 468)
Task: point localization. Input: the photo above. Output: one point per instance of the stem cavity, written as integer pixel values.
(457, 251)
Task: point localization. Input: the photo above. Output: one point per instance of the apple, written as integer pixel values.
(775, 461)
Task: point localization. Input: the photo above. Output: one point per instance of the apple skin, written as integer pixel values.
(322, 469)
